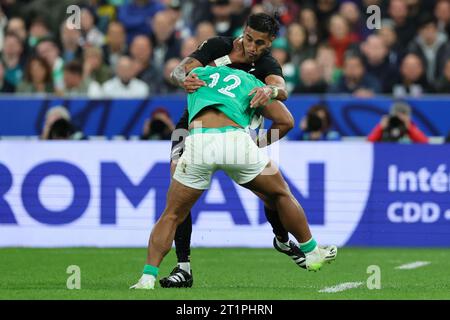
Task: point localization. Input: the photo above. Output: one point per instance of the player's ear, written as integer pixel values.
(270, 42)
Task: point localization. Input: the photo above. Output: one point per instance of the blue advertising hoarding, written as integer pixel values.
(103, 193)
(351, 116)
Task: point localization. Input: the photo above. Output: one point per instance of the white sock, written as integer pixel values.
(186, 266)
(147, 277)
(283, 245)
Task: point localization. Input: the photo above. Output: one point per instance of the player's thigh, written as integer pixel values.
(181, 198)
(269, 186)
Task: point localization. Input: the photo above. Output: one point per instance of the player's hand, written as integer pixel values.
(237, 53)
(192, 83)
(261, 98)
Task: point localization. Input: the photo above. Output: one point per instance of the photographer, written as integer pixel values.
(316, 125)
(61, 129)
(159, 126)
(397, 127)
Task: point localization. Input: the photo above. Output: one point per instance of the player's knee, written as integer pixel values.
(280, 193)
(173, 217)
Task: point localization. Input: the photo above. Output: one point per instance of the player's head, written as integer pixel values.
(260, 31)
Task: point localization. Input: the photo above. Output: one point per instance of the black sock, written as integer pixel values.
(277, 227)
(183, 240)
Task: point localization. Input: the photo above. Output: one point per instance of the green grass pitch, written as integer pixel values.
(234, 273)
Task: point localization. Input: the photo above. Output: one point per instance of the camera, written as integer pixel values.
(395, 129)
(313, 123)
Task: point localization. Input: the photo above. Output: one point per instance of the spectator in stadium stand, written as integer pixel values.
(299, 49)
(311, 81)
(280, 51)
(413, 80)
(376, 62)
(317, 125)
(125, 84)
(116, 44)
(11, 57)
(350, 11)
(47, 49)
(38, 30)
(397, 126)
(404, 26)
(188, 46)
(308, 19)
(257, 8)
(71, 40)
(389, 37)
(135, 16)
(159, 127)
(166, 86)
(326, 59)
(324, 9)
(443, 84)
(204, 31)
(240, 9)
(225, 23)
(355, 80)
(431, 46)
(200, 11)
(288, 10)
(176, 14)
(94, 67)
(76, 85)
(104, 11)
(91, 35)
(5, 86)
(37, 77)
(17, 25)
(3, 24)
(165, 43)
(141, 52)
(442, 14)
(341, 38)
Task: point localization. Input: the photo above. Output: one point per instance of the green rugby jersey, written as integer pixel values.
(227, 90)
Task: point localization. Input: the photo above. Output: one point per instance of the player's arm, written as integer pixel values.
(279, 85)
(179, 75)
(206, 53)
(282, 122)
(275, 87)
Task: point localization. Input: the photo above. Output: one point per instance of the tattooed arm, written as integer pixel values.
(190, 83)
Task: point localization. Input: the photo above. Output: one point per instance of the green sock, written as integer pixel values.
(152, 270)
(308, 246)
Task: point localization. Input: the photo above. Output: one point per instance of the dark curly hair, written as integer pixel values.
(263, 22)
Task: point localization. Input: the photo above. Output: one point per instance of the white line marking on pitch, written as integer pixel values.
(413, 265)
(341, 287)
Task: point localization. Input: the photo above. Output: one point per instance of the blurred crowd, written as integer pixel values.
(127, 48)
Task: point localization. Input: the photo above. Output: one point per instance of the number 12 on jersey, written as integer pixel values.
(226, 90)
